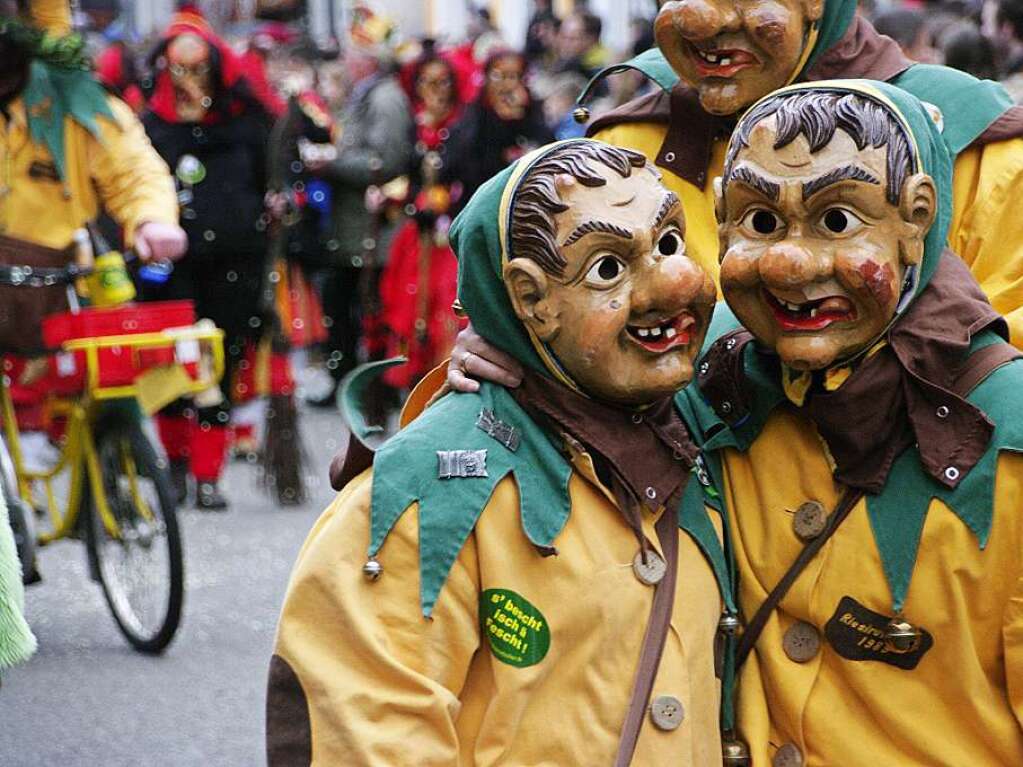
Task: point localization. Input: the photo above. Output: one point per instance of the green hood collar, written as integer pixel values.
(479, 237)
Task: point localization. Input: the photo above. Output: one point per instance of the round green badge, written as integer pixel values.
(517, 631)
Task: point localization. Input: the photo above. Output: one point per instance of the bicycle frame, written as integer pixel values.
(78, 452)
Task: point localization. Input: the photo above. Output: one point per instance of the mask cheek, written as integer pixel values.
(739, 268)
(874, 281)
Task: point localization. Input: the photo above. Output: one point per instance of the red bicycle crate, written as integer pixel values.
(118, 365)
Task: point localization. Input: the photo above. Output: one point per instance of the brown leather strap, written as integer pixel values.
(653, 640)
(978, 367)
(981, 364)
(756, 625)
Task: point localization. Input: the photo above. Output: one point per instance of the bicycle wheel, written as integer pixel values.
(140, 567)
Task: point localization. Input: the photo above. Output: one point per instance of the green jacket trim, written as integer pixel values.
(52, 95)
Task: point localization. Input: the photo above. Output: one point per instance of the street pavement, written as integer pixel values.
(87, 698)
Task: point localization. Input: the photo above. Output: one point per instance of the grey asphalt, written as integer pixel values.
(87, 698)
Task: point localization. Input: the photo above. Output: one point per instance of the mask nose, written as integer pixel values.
(702, 19)
(789, 264)
(669, 285)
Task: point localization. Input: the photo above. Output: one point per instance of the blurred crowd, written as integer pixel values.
(316, 183)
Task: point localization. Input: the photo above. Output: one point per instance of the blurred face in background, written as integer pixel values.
(435, 87)
(191, 71)
(505, 90)
(573, 41)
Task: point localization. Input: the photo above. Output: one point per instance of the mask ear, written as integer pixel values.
(918, 207)
(529, 290)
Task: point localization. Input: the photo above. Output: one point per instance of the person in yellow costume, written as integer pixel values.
(67, 149)
(544, 583)
(862, 432)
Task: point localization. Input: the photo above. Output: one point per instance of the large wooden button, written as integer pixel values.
(801, 642)
(809, 521)
(787, 756)
(666, 712)
(650, 572)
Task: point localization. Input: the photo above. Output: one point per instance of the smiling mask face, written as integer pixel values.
(816, 243)
(626, 312)
(734, 53)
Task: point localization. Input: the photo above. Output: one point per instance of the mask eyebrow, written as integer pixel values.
(668, 204)
(590, 227)
(755, 181)
(844, 173)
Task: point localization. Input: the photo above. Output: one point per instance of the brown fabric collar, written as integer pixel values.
(647, 455)
(862, 53)
(686, 150)
(903, 394)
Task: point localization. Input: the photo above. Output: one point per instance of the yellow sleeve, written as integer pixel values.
(987, 228)
(132, 181)
(359, 677)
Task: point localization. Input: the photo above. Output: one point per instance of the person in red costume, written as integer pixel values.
(205, 122)
(419, 284)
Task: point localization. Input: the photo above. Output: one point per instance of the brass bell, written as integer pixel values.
(901, 637)
(372, 569)
(734, 753)
(581, 115)
(729, 624)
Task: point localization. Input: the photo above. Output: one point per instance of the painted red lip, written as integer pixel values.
(664, 336)
(811, 315)
(736, 59)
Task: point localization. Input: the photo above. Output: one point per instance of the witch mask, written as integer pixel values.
(189, 61)
(823, 212)
(598, 273)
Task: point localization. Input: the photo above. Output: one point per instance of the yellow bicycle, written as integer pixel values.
(116, 484)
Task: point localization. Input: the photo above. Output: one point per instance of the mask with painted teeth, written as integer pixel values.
(626, 313)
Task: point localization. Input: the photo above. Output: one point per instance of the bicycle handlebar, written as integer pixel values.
(24, 276)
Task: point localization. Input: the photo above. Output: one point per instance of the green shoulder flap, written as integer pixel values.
(897, 515)
(449, 461)
(54, 94)
(968, 105)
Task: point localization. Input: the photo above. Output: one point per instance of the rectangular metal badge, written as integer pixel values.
(461, 463)
(503, 432)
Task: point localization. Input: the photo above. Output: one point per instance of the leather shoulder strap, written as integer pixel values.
(653, 641)
(981, 364)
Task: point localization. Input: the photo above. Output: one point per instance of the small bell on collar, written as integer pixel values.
(901, 636)
(729, 624)
(734, 753)
(372, 569)
(581, 115)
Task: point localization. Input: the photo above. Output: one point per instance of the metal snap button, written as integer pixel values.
(951, 473)
(651, 493)
(637, 418)
(704, 367)
(942, 412)
(666, 712)
(651, 572)
(730, 344)
(669, 157)
(726, 407)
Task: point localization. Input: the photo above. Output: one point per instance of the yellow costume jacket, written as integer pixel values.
(104, 162)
